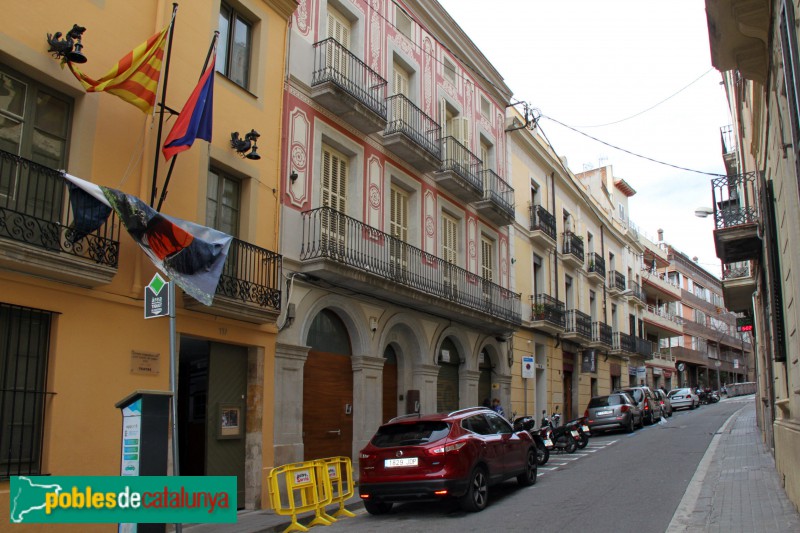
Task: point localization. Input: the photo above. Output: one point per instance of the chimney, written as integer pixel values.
(660, 235)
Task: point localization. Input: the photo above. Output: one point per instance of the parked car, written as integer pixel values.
(431, 457)
(615, 411)
(666, 404)
(683, 398)
(645, 400)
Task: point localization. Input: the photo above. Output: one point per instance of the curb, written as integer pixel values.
(286, 521)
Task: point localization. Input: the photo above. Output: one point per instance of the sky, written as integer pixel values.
(588, 63)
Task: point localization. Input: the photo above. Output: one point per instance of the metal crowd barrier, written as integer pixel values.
(311, 486)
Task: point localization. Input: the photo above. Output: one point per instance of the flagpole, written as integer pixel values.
(172, 163)
(154, 188)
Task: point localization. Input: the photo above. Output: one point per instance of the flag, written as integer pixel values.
(135, 77)
(190, 254)
(195, 118)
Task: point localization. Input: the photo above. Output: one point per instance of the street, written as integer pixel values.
(620, 482)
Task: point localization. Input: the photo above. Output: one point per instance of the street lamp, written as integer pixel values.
(703, 212)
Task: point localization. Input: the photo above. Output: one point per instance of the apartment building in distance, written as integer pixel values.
(73, 338)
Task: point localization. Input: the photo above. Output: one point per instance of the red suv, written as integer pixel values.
(431, 457)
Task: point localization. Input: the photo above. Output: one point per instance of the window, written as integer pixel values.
(487, 259)
(485, 107)
(449, 239)
(498, 424)
(453, 124)
(223, 202)
(24, 348)
(334, 195)
(398, 228)
(486, 158)
(449, 71)
(400, 80)
(622, 212)
(234, 48)
(403, 23)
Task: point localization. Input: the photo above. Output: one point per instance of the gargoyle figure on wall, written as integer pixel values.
(61, 47)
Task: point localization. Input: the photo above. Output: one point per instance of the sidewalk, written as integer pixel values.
(736, 486)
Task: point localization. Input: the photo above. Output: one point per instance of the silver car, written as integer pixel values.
(615, 411)
(683, 398)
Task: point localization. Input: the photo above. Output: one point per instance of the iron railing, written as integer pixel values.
(336, 64)
(597, 264)
(602, 332)
(547, 308)
(736, 270)
(735, 200)
(624, 342)
(406, 118)
(666, 315)
(579, 322)
(330, 234)
(616, 280)
(573, 245)
(541, 219)
(36, 208)
(252, 275)
(636, 291)
(644, 347)
(457, 158)
(498, 191)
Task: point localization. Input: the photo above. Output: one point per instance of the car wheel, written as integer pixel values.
(377, 507)
(631, 427)
(542, 455)
(528, 477)
(477, 495)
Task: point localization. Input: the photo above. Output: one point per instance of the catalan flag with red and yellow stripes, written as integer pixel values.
(135, 77)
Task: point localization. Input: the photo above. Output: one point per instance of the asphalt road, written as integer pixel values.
(619, 483)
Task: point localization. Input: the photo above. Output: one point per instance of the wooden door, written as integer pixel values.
(567, 397)
(327, 393)
(389, 384)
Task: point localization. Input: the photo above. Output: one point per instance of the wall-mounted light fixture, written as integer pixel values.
(70, 48)
(293, 175)
(246, 147)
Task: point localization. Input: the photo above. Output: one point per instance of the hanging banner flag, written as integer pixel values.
(195, 119)
(190, 254)
(135, 77)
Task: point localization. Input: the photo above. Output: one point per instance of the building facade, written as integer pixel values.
(756, 215)
(73, 339)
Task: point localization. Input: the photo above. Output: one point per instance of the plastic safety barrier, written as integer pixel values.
(311, 486)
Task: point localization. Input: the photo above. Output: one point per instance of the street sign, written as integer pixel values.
(681, 367)
(528, 367)
(156, 299)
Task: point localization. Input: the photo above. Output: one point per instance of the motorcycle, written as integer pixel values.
(713, 397)
(563, 438)
(579, 425)
(702, 396)
(528, 424)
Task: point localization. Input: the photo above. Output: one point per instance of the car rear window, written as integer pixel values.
(409, 434)
(678, 391)
(636, 394)
(606, 401)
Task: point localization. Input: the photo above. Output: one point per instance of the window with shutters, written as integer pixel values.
(339, 29)
(485, 108)
(403, 23)
(334, 196)
(449, 70)
(487, 258)
(398, 227)
(449, 250)
(400, 84)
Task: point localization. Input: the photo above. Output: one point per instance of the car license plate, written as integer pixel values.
(575, 433)
(677, 397)
(585, 429)
(548, 443)
(406, 461)
(603, 413)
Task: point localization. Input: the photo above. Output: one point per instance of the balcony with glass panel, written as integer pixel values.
(498, 199)
(347, 87)
(543, 227)
(412, 135)
(40, 234)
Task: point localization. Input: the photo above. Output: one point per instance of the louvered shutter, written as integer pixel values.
(338, 29)
(334, 196)
(398, 227)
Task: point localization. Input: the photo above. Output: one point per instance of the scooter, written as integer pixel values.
(563, 438)
(579, 425)
(528, 424)
(713, 397)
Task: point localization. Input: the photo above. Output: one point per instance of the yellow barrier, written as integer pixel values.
(311, 486)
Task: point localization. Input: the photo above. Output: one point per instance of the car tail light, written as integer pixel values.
(586, 414)
(625, 408)
(453, 447)
(647, 405)
(364, 496)
(441, 492)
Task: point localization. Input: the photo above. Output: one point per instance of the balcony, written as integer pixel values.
(347, 87)
(738, 32)
(652, 280)
(596, 272)
(348, 253)
(547, 314)
(616, 283)
(730, 152)
(578, 328)
(39, 235)
(498, 199)
(661, 322)
(738, 286)
(689, 355)
(602, 336)
(460, 173)
(644, 347)
(543, 227)
(412, 135)
(637, 294)
(736, 218)
(622, 344)
(249, 287)
(572, 251)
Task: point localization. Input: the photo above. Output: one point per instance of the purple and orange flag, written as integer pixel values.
(135, 77)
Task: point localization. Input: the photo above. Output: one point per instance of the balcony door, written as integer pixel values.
(339, 29)
(487, 266)
(223, 200)
(398, 228)
(449, 252)
(400, 84)
(333, 195)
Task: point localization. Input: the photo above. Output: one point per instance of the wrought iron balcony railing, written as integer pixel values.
(597, 264)
(330, 234)
(616, 280)
(623, 342)
(252, 275)
(579, 322)
(408, 119)
(457, 158)
(602, 332)
(573, 245)
(498, 191)
(735, 200)
(541, 219)
(644, 347)
(547, 308)
(736, 270)
(37, 209)
(636, 291)
(335, 63)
